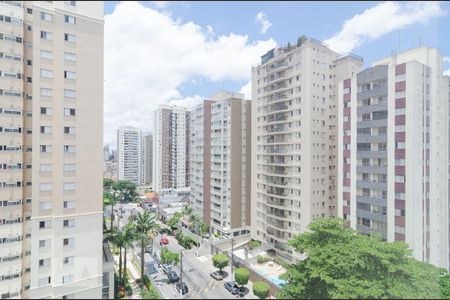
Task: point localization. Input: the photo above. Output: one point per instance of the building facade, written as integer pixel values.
(147, 158)
(51, 120)
(294, 140)
(221, 162)
(130, 154)
(171, 148)
(393, 146)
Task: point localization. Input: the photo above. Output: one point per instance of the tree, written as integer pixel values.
(220, 261)
(169, 257)
(127, 189)
(117, 238)
(173, 221)
(241, 276)
(145, 222)
(129, 235)
(109, 197)
(343, 264)
(261, 289)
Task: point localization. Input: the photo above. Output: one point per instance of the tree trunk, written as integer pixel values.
(142, 258)
(112, 216)
(124, 266)
(120, 263)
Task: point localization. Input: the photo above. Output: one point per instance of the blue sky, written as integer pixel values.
(289, 20)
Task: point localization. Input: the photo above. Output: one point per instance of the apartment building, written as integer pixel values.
(221, 162)
(130, 154)
(171, 148)
(147, 158)
(393, 146)
(294, 139)
(51, 132)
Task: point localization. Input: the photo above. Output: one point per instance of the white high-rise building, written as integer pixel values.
(147, 144)
(51, 133)
(171, 148)
(393, 152)
(294, 140)
(130, 154)
(221, 162)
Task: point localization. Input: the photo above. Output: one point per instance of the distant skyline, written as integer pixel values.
(181, 52)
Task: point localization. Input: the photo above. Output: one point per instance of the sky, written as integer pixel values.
(164, 52)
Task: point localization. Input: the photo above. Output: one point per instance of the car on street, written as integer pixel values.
(232, 287)
(166, 268)
(217, 275)
(164, 241)
(173, 276)
(182, 288)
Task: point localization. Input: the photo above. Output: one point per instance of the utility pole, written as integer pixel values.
(232, 249)
(181, 274)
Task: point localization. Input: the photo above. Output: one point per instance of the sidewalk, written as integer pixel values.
(135, 274)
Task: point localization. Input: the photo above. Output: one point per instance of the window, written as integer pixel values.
(69, 204)
(46, 92)
(45, 187)
(69, 167)
(29, 10)
(69, 130)
(69, 93)
(46, 73)
(69, 149)
(69, 223)
(46, 148)
(46, 35)
(69, 112)
(69, 56)
(46, 111)
(46, 17)
(43, 243)
(67, 278)
(44, 263)
(69, 186)
(70, 19)
(45, 168)
(68, 242)
(73, 3)
(46, 129)
(44, 281)
(68, 260)
(70, 75)
(46, 54)
(44, 224)
(70, 37)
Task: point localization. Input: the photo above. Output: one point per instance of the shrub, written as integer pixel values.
(261, 289)
(254, 244)
(241, 276)
(260, 259)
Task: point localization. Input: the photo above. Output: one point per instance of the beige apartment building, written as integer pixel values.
(294, 92)
(51, 133)
(221, 162)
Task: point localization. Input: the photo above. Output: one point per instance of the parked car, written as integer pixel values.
(232, 287)
(166, 268)
(182, 287)
(217, 275)
(164, 241)
(173, 276)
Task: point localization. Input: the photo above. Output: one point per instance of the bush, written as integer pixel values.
(216, 234)
(260, 259)
(149, 291)
(186, 241)
(261, 289)
(254, 244)
(281, 262)
(241, 276)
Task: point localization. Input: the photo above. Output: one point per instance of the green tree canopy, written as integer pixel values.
(261, 289)
(241, 276)
(169, 257)
(343, 264)
(220, 261)
(127, 189)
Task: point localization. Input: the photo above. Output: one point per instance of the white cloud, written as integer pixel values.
(447, 72)
(161, 4)
(446, 59)
(188, 102)
(380, 20)
(265, 24)
(149, 56)
(247, 90)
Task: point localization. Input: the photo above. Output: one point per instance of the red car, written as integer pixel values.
(164, 241)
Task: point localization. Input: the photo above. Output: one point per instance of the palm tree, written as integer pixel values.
(145, 222)
(129, 235)
(117, 238)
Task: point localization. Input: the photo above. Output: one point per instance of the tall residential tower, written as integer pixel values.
(130, 154)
